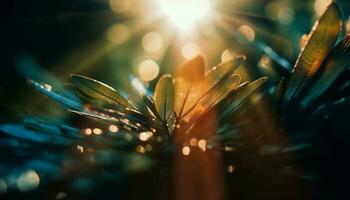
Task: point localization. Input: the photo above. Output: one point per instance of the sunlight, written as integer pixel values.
(184, 13)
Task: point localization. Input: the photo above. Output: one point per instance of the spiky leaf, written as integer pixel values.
(336, 62)
(164, 97)
(99, 90)
(216, 94)
(322, 38)
(218, 72)
(62, 100)
(150, 106)
(188, 85)
(243, 94)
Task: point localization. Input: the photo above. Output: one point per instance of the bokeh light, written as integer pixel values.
(193, 142)
(265, 61)
(227, 55)
(285, 15)
(152, 42)
(140, 149)
(228, 149)
(143, 136)
(27, 181)
(128, 137)
(190, 50)
(118, 33)
(186, 150)
(97, 131)
(148, 147)
(120, 6)
(202, 144)
(148, 70)
(247, 32)
(230, 169)
(113, 128)
(88, 131)
(279, 12)
(80, 148)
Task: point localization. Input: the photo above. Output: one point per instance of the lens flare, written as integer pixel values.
(184, 13)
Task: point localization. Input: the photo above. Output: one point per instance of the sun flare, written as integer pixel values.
(184, 13)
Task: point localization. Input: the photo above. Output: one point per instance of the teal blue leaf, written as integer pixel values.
(62, 100)
(21, 132)
(336, 62)
(322, 39)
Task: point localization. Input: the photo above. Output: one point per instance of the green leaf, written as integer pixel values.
(164, 97)
(98, 90)
(107, 119)
(191, 86)
(188, 85)
(218, 72)
(336, 62)
(150, 106)
(243, 94)
(322, 38)
(221, 90)
(192, 70)
(215, 95)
